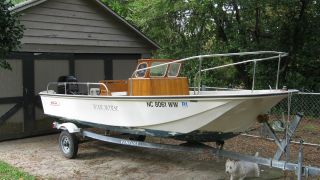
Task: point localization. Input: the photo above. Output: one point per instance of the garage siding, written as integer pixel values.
(89, 70)
(73, 23)
(11, 81)
(11, 86)
(123, 69)
(49, 71)
(14, 124)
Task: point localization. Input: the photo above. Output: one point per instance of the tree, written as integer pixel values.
(11, 31)
(192, 27)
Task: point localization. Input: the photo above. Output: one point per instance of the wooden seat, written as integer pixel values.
(113, 86)
(147, 86)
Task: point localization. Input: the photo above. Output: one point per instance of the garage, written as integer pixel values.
(83, 38)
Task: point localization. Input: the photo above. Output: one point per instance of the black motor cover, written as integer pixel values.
(69, 88)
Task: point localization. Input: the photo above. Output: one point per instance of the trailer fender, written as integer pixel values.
(70, 127)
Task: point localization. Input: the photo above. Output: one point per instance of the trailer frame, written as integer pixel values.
(70, 130)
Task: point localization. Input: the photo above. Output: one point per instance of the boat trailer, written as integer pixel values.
(68, 143)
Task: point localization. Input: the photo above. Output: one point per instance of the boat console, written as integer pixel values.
(147, 81)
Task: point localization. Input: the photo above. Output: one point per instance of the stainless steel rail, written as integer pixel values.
(88, 84)
(278, 55)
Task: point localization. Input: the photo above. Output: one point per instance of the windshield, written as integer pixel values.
(174, 69)
(158, 71)
(143, 72)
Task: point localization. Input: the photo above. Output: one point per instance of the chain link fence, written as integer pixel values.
(306, 103)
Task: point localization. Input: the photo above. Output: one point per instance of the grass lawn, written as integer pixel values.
(8, 172)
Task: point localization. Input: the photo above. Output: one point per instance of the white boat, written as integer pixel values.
(156, 101)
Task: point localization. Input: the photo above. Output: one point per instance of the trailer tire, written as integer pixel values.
(68, 144)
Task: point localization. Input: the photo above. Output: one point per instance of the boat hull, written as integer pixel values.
(232, 112)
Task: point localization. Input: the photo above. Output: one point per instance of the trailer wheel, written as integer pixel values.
(68, 144)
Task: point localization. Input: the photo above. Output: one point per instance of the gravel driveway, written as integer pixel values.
(41, 157)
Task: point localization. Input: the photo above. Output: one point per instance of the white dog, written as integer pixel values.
(242, 169)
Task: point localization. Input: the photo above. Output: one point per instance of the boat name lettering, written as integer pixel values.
(162, 104)
(126, 142)
(105, 107)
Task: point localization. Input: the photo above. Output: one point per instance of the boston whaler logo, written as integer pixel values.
(105, 107)
(54, 103)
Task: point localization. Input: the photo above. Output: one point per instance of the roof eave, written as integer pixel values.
(128, 24)
(25, 5)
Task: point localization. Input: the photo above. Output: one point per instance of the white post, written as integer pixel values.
(254, 74)
(199, 78)
(278, 71)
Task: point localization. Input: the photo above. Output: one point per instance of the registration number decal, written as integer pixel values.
(165, 104)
